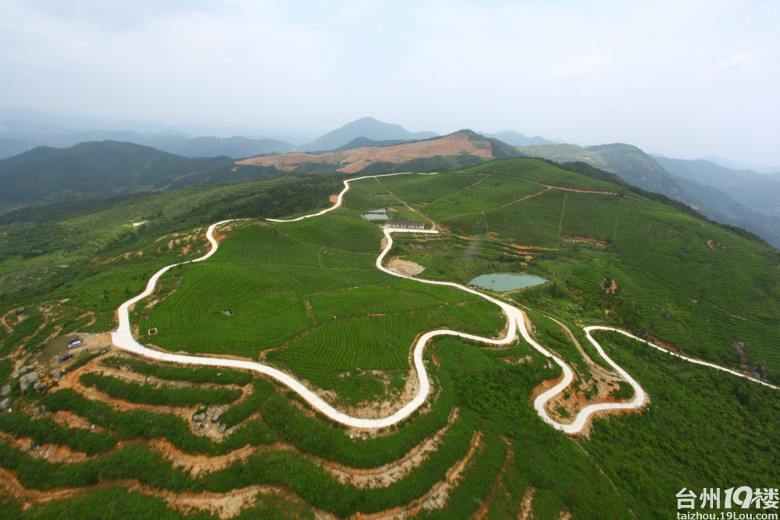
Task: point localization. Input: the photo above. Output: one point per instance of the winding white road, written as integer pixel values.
(123, 338)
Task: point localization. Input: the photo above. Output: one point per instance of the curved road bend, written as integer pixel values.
(123, 338)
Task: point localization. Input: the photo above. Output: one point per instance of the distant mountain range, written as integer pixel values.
(233, 147)
(127, 161)
(49, 175)
(759, 191)
(23, 130)
(739, 198)
(518, 139)
(367, 127)
(738, 165)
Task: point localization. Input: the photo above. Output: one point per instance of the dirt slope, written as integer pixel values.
(353, 161)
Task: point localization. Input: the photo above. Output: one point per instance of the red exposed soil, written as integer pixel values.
(352, 161)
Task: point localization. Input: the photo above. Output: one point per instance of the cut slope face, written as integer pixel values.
(353, 161)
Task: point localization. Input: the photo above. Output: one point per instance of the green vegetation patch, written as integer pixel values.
(169, 396)
(45, 431)
(220, 376)
(590, 215)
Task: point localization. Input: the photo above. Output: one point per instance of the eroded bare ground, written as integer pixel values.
(527, 505)
(230, 504)
(4, 321)
(50, 452)
(352, 161)
(197, 464)
(404, 267)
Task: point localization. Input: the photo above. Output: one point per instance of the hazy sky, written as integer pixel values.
(684, 78)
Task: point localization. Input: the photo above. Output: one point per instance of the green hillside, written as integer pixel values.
(49, 175)
(741, 199)
(629, 162)
(306, 297)
(756, 191)
(682, 280)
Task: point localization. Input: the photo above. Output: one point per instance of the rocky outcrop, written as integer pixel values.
(28, 379)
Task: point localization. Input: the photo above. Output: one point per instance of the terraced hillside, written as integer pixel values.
(156, 440)
(689, 282)
(307, 297)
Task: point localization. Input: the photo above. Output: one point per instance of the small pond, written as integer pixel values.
(503, 282)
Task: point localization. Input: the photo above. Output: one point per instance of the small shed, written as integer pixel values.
(404, 225)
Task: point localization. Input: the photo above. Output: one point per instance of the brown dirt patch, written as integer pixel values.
(527, 507)
(227, 230)
(5, 324)
(352, 161)
(71, 420)
(609, 286)
(404, 267)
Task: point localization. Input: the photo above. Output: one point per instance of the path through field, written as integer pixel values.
(123, 338)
